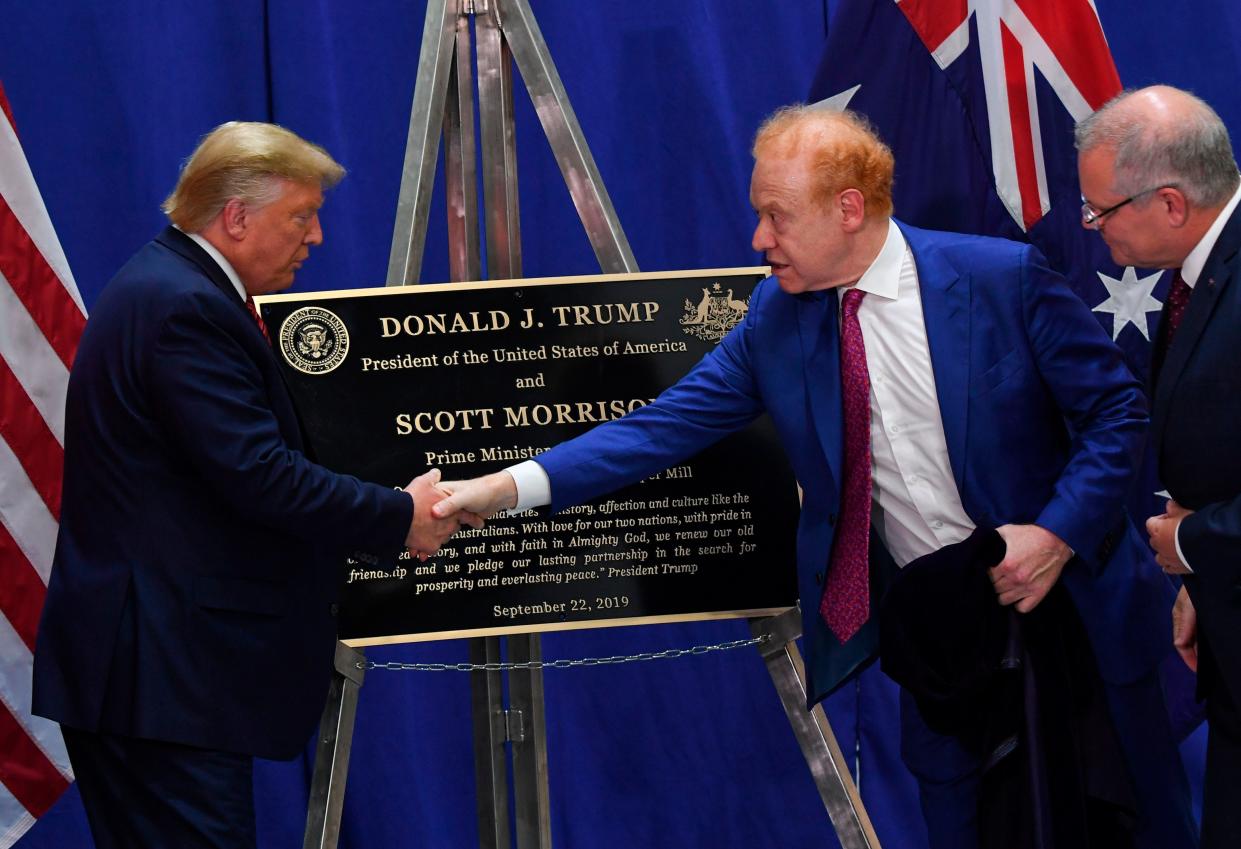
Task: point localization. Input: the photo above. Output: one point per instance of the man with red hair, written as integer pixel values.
(923, 385)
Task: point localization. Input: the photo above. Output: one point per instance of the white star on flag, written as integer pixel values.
(1129, 300)
(840, 101)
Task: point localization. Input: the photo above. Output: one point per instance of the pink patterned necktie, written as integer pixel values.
(258, 319)
(846, 597)
(1178, 300)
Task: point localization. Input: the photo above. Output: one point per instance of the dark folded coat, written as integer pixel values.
(1020, 691)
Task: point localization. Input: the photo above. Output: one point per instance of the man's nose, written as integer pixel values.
(314, 233)
(762, 240)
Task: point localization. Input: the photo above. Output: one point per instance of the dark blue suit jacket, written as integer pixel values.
(1196, 430)
(1043, 422)
(192, 594)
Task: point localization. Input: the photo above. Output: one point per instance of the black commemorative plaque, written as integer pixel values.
(473, 377)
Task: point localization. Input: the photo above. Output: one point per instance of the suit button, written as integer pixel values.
(818, 578)
(334, 609)
(831, 519)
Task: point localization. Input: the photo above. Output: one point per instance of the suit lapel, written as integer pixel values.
(946, 312)
(1157, 344)
(1217, 275)
(175, 240)
(179, 242)
(820, 343)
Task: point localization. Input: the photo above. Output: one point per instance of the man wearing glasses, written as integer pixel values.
(1160, 184)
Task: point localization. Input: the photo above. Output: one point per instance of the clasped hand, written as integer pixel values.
(482, 497)
(429, 529)
(1162, 530)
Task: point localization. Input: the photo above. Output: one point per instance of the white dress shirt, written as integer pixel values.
(916, 508)
(225, 265)
(1191, 268)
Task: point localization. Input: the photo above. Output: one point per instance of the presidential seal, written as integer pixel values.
(314, 340)
(714, 315)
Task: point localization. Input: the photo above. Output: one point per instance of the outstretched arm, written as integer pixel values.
(482, 497)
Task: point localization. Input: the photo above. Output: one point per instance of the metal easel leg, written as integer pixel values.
(505, 32)
(490, 761)
(499, 145)
(409, 233)
(813, 731)
(327, 786)
(564, 133)
(460, 176)
(528, 733)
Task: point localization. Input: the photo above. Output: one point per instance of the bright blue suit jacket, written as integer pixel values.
(192, 594)
(1044, 424)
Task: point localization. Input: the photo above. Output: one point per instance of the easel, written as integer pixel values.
(505, 31)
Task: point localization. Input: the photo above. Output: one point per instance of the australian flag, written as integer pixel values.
(978, 101)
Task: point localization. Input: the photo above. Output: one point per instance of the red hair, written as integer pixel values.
(845, 153)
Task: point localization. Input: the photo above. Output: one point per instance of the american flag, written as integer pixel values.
(41, 320)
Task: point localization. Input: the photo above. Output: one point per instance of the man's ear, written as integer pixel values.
(1175, 206)
(852, 210)
(235, 218)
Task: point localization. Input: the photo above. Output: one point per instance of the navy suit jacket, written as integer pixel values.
(192, 593)
(1043, 421)
(1196, 430)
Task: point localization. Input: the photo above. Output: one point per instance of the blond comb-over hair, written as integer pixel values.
(245, 160)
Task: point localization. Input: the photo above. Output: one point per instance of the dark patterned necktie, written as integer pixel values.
(846, 596)
(1178, 300)
(258, 319)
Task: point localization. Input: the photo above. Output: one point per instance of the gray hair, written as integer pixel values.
(1186, 146)
(246, 160)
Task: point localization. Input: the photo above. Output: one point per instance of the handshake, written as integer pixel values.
(442, 507)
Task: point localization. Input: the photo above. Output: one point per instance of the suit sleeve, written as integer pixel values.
(215, 408)
(1212, 535)
(1100, 399)
(717, 397)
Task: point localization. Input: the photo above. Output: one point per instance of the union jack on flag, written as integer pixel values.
(1062, 40)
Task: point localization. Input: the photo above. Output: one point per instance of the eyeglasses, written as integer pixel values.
(1092, 216)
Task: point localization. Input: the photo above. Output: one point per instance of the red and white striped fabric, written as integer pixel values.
(41, 321)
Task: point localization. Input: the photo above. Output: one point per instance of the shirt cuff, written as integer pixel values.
(1176, 538)
(534, 488)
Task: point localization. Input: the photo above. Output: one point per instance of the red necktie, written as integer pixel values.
(846, 597)
(1178, 300)
(258, 319)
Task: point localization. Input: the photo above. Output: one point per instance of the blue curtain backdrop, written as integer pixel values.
(110, 97)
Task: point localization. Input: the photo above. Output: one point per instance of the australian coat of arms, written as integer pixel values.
(714, 315)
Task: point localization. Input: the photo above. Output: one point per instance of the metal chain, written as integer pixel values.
(564, 663)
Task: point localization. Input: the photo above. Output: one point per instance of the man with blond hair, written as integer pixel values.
(190, 617)
(923, 385)
(1160, 184)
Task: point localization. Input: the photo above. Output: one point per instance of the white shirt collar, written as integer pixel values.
(1191, 268)
(883, 277)
(225, 265)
